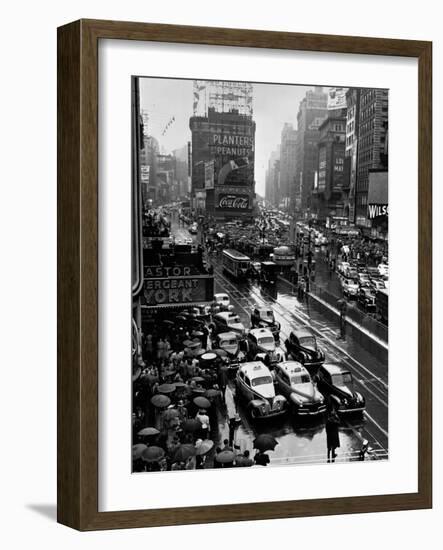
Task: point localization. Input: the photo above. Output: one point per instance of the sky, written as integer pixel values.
(273, 105)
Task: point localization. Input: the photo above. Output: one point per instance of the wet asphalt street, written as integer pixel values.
(303, 441)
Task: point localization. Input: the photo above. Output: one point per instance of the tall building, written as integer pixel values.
(312, 112)
(372, 148)
(351, 147)
(287, 163)
(223, 148)
(273, 178)
(148, 168)
(331, 185)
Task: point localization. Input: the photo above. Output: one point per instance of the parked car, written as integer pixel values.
(262, 347)
(263, 317)
(366, 298)
(226, 321)
(255, 386)
(302, 347)
(336, 383)
(363, 279)
(378, 284)
(349, 288)
(294, 382)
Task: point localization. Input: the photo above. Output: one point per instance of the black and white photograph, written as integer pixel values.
(260, 274)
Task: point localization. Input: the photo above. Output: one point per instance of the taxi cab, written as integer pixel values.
(255, 386)
(295, 383)
(228, 321)
(262, 346)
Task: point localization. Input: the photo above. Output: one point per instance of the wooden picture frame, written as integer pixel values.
(78, 273)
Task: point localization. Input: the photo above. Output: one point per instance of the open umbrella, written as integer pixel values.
(168, 323)
(184, 452)
(200, 353)
(160, 400)
(197, 334)
(205, 446)
(166, 388)
(137, 450)
(212, 393)
(187, 342)
(265, 442)
(191, 425)
(224, 457)
(202, 402)
(148, 431)
(198, 379)
(208, 356)
(153, 454)
(192, 345)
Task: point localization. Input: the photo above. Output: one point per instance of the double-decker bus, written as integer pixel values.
(235, 263)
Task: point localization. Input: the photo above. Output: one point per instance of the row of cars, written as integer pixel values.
(272, 380)
(362, 283)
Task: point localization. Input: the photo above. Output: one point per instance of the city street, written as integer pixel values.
(304, 440)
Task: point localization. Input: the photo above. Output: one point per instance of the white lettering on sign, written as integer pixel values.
(177, 271)
(165, 291)
(375, 210)
(236, 140)
(233, 201)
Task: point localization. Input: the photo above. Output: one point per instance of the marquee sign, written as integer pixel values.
(178, 290)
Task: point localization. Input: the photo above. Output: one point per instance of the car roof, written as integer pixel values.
(227, 335)
(334, 368)
(301, 332)
(255, 368)
(221, 295)
(293, 367)
(260, 332)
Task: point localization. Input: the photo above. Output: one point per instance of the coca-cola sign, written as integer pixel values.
(233, 202)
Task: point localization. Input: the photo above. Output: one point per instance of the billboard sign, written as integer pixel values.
(174, 291)
(337, 98)
(228, 201)
(209, 175)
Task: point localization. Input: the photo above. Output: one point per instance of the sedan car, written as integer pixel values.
(349, 288)
(302, 347)
(294, 382)
(335, 382)
(366, 298)
(263, 317)
(255, 386)
(262, 346)
(228, 321)
(222, 300)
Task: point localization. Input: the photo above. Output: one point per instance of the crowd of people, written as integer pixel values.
(182, 399)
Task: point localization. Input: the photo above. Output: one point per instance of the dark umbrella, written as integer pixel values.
(153, 454)
(148, 431)
(191, 425)
(265, 442)
(168, 322)
(187, 342)
(202, 402)
(137, 450)
(198, 379)
(160, 400)
(184, 452)
(212, 393)
(224, 457)
(166, 388)
(200, 353)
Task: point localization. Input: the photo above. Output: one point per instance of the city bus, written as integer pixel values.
(235, 263)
